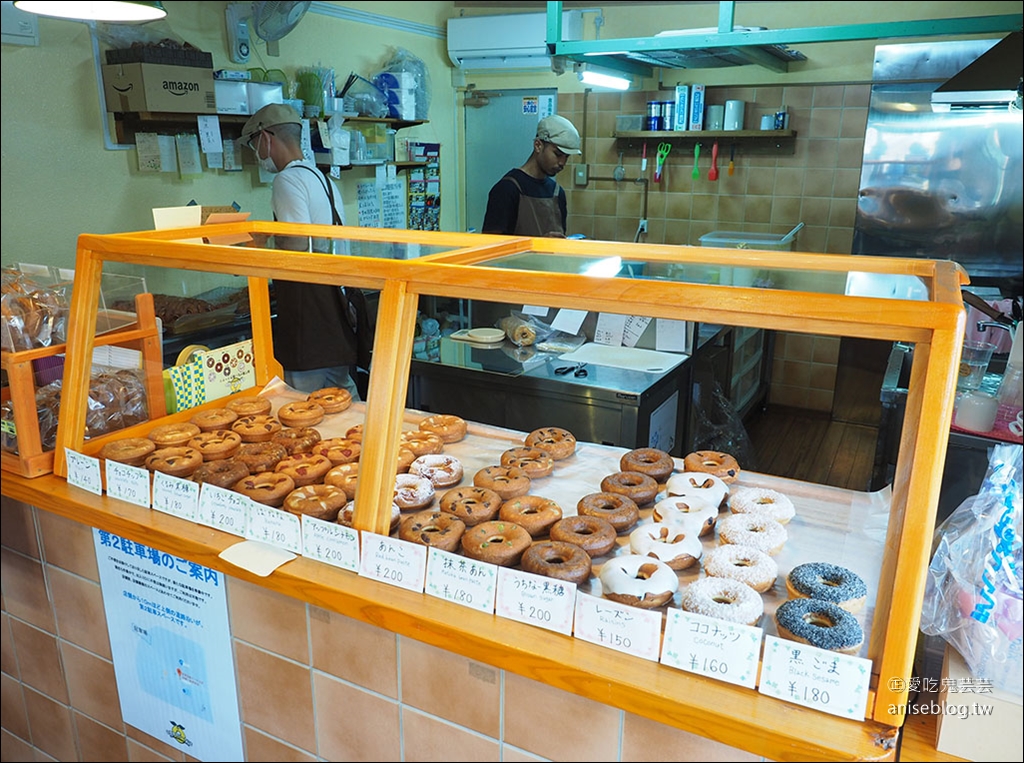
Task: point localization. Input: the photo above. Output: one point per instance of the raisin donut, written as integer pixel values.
(757, 500)
(443, 471)
(723, 599)
(819, 623)
(638, 581)
(692, 512)
(213, 419)
(534, 514)
(701, 485)
(304, 468)
(620, 511)
(675, 545)
(448, 428)
(223, 473)
(746, 564)
(318, 501)
(413, 492)
(560, 443)
(500, 543)
(347, 513)
(297, 439)
(258, 427)
(301, 413)
(760, 532)
(557, 559)
(331, 399)
(639, 488)
(722, 465)
(594, 535)
(828, 582)
(216, 444)
(173, 435)
(128, 450)
(268, 488)
(250, 405)
(650, 461)
(178, 462)
(340, 450)
(506, 481)
(260, 456)
(535, 462)
(422, 443)
(472, 505)
(437, 529)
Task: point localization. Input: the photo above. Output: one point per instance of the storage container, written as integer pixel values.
(770, 241)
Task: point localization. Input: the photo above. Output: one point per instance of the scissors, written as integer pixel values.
(579, 370)
(663, 149)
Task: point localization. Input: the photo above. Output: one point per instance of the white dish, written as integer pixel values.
(485, 335)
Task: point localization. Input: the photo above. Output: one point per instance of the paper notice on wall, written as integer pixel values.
(673, 336)
(187, 147)
(214, 161)
(168, 153)
(393, 210)
(147, 146)
(634, 328)
(232, 156)
(368, 203)
(209, 133)
(568, 321)
(609, 329)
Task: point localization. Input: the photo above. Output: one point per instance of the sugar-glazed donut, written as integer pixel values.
(759, 500)
(747, 564)
(437, 529)
(675, 545)
(557, 559)
(413, 491)
(692, 512)
(496, 542)
(638, 581)
(760, 532)
(560, 443)
(533, 513)
(723, 599)
(444, 471)
(698, 485)
(639, 488)
(619, 510)
(819, 623)
(722, 465)
(827, 582)
(650, 461)
(594, 535)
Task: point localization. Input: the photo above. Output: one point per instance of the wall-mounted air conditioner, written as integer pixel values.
(514, 41)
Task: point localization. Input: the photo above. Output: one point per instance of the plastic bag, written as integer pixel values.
(524, 330)
(406, 82)
(718, 426)
(973, 594)
(364, 98)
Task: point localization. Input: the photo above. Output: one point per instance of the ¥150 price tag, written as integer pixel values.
(84, 471)
(816, 678)
(330, 543)
(535, 600)
(626, 629)
(128, 483)
(273, 527)
(392, 561)
(461, 580)
(222, 509)
(712, 647)
(173, 495)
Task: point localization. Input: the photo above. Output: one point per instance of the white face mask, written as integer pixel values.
(267, 165)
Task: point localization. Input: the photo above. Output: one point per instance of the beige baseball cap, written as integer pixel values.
(560, 132)
(270, 115)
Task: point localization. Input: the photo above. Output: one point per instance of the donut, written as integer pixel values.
(304, 468)
(760, 532)
(722, 465)
(675, 545)
(222, 473)
(178, 462)
(128, 450)
(268, 488)
(762, 501)
(213, 419)
(594, 535)
(533, 513)
(472, 505)
(620, 511)
(256, 428)
(355, 433)
(260, 456)
(448, 428)
(331, 399)
(297, 439)
(746, 564)
(691, 512)
(249, 405)
(413, 492)
(557, 559)
(422, 443)
(638, 581)
(650, 461)
(827, 582)
(702, 485)
(819, 623)
(638, 487)
(433, 528)
(535, 462)
(723, 599)
(318, 501)
(173, 435)
(506, 481)
(301, 413)
(216, 443)
(405, 459)
(340, 450)
(347, 513)
(500, 543)
(442, 471)
(560, 443)
(344, 476)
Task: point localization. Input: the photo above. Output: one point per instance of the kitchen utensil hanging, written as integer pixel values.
(659, 162)
(696, 156)
(732, 158)
(713, 172)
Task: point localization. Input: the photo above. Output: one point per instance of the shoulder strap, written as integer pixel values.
(329, 188)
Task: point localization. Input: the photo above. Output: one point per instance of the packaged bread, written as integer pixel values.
(519, 331)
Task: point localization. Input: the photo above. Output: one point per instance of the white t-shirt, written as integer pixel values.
(299, 195)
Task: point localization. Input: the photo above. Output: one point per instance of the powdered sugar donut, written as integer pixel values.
(754, 530)
(723, 599)
(349, 509)
(675, 545)
(441, 470)
(746, 564)
(759, 500)
(692, 512)
(413, 491)
(638, 581)
(698, 485)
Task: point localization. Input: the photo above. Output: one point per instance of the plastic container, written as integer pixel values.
(769, 241)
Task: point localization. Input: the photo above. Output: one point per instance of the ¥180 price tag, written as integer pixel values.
(816, 678)
(535, 600)
(84, 471)
(222, 509)
(173, 495)
(273, 527)
(128, 483)
(626, 629)
(392, 561)
(330, 543)
(461, 580)
(712, 647)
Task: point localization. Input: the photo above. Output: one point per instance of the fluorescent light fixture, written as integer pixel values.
(599, 79)
(123, 11)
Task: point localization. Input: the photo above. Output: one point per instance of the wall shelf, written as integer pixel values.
(753, 141)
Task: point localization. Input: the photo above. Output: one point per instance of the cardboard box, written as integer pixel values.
(682, 110)
(983, 722)
(232, 96)
(155, 87)
(696, 111)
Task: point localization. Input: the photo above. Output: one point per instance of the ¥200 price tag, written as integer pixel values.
(330, 543)
(712, 647)
(535, 600)
(173, 495)
(128, 483)
(84, 471)
(222, 509)
(392, 561)
(816, 678)
(626, 629)
(461, 580)
(273, 527)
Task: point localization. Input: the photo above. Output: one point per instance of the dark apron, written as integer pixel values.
(538, 216)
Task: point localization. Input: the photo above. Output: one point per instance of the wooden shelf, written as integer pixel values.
(753, 141)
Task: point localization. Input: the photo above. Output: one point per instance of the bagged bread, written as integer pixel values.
(519, 331)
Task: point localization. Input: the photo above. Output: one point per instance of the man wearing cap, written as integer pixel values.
(527, 201)
(318, 327)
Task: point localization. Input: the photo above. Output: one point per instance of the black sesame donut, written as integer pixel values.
(472, 505)
(638, 581)
(650, 461)
(827, 582)
(437, 529)
(533, 513)
(723, 599)
(819, 623)
(449, 428)
(506, 481)
(536, 462)
(560, 560)
(594, 535)
(638, 487)
(722, 465)
(618, 510)
(560, 443)
(501, 543)
(747, 564)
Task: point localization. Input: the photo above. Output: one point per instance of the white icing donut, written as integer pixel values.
(676, 545)
(743, 563)
(723, 599)
(441, 470)
(759, 500)
(347, 511)
(639, 581)
(692, 512)
(755, 530)
(413, 491)
(698, 485)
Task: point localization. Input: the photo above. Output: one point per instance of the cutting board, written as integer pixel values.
(629, 358)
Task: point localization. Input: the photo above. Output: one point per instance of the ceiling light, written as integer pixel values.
(123, 11)
(599, 79)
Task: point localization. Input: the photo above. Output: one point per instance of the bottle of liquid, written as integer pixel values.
(1011, 389)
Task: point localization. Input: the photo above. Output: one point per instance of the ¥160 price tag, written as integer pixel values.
(392, 561)
(222, 509)
(128, 483)
(712, 647)
(273, 527)
(626, 629)
(535, 600)
(84, 471)
(464, 581)
(173, 495)
(817, 678)
(330, 543)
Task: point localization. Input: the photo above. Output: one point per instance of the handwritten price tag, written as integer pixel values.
(222, 509)
(129, 483)
(330, 543)
(535, 600)
(464, 581)
(392, 561)
(711, 647)
(84, 471)
(173, 495)
(626, 629)
(816, 678)
(273, 527)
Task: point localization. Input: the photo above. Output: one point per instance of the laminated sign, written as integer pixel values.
(227, 370)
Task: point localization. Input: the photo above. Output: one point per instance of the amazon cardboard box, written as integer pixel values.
(159, 87)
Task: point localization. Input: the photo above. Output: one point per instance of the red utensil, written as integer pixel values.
(713, 172)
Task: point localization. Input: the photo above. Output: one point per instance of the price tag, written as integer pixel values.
(129, 483)
(712, 647)
(816, 678)
(535, 599)
(173, 495)
(464, 581)
(222, 509)
(626, 629)
(392, 561)
(330, 543)
(273, 527)
(84, 471)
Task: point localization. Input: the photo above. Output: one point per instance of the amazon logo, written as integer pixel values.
(128, 87)
(180, 88)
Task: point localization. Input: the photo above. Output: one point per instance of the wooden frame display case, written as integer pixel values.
(809, 297)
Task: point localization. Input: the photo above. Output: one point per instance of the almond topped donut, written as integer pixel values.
(250, 405)
(506, 481)
(345, 476)
(560, 443)
(331, 399)
(173, 435)
(449, 428)
(301, 413)
(535, 462)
